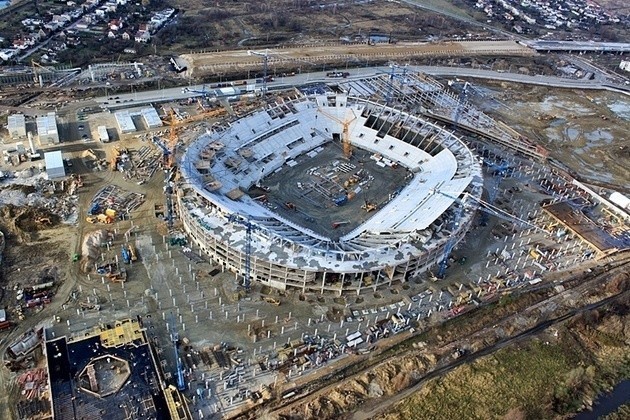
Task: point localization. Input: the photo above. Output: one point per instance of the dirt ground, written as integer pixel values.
(200, 64)
(587, 131)
(317, 211)
(557, 373)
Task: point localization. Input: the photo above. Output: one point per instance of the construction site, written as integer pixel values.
(218, 256)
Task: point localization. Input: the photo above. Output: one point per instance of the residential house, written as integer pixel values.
(111, 35)
(115, 24)
(125, 36)
(111, 6)
(8, 54)
(62, 19)
(143, 36)
(53, 25)
(57, 45)
(82, 24)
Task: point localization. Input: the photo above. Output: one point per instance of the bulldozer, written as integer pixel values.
(271, 300)
(368, 206)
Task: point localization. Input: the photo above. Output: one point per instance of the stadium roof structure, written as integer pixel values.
(237, 156)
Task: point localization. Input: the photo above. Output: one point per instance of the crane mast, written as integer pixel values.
(345, 133)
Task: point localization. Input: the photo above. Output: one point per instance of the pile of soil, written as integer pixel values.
(23, 222)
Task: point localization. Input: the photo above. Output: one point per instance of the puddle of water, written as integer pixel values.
(599, 136)
(572, 133)
(620, 108)
(551, 134)
(556, 122)
(552, 104)
(608, 403)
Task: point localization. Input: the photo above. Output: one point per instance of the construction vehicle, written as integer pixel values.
(104, 218)
(132, 252)
(368, 207)
(126, 255)
(345, 123)
(335, 225)
(89, 306)
(113, 163)
(99, 218)
(289, 205)
(172, 326)
(117, 276)
(271, 300)
(95, 208)
(249, 228)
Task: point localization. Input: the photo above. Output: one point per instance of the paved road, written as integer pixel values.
(155, 96)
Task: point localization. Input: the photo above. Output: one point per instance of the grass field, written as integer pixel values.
(545, 378)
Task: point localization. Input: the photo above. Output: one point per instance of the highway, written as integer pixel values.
(125, 100)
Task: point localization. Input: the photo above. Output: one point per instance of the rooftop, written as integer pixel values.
(132, 390)
(53, 159)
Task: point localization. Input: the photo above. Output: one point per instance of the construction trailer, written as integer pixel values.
(103, 135)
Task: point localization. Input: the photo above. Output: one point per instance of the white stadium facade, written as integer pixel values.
(404, 237)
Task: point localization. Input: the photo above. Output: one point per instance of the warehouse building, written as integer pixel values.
(16, 125)
(124, 121)
(151, 117)
(54, 165)
(47, 129)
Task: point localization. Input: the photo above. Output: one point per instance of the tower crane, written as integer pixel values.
(249, 228)
(392, 76)
(173, 122)
(169, 151)
(345, 123)
(486, 208)
(460, 105)
(265, 58)
(172, 325)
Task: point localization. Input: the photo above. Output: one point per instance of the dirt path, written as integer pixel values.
(204, 63)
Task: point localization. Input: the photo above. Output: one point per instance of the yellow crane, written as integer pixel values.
(345, 133)
(173, 122)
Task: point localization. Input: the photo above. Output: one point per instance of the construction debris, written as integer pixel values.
(113, 201)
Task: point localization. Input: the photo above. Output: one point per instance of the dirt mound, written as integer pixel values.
(386, 379)
(90, 248)
(23, 222)
(26, 189)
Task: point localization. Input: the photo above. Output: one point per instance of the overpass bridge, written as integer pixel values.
(582, 46)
